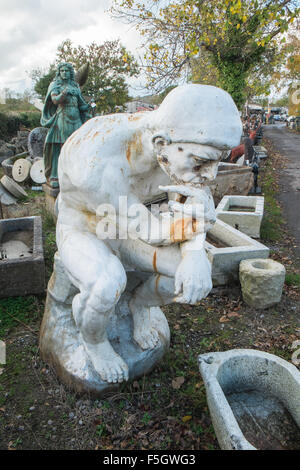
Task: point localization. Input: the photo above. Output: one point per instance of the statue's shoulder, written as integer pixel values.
(53, 88)
(110, 127)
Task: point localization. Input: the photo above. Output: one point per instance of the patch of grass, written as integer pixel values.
(292, 279)
(31, 195)
(272, 220)
(101, 430)
(146, 418)
(14, 310)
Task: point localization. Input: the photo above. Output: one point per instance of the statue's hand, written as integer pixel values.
(198, 194)
(194, 210)
(199, 204)
(193, 278)
(67, 90)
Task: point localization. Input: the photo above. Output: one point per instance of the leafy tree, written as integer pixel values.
(234, 37)
(288, 76)
(110, 64)
(42, 80)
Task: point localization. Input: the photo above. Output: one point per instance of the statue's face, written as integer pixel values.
(188, 162)
(65, 73)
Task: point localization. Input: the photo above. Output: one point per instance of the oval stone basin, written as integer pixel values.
(253, 398)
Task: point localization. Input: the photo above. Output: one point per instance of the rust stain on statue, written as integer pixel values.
(128, 154)
(135, 147)
(91, 220)
(182, 199)
(135, 117)
(154, 262)
(183, 229)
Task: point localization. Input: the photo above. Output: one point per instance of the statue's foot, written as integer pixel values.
(144, 334)
(107, 363)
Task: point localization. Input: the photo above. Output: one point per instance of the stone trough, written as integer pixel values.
(244, 213)
(253, 398)
(226, 247)
(231, 179)
(22, 269)
(261, 152)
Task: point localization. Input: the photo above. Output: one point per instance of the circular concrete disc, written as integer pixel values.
(21, 170)
(37, 172)
(12, 187)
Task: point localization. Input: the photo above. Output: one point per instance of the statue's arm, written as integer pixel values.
(58, 98)
(193, 276)
(83, 106)
(166, 229)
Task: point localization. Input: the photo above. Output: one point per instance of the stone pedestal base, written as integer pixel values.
(50, 198)
(62, 348)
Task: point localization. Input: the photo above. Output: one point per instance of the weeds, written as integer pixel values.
(292, 279)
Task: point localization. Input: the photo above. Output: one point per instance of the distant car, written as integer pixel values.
(277, 117)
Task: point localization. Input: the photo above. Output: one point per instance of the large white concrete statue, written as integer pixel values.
(108, 170)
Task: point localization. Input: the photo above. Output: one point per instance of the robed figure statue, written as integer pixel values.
(64, 112)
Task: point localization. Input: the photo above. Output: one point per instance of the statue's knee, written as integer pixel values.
(106, 292)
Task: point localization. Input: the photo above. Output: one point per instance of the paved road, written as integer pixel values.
(288, 144)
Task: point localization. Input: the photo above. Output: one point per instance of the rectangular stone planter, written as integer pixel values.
(248, 218)
(226, 247)
(21, 273)
(260, 151)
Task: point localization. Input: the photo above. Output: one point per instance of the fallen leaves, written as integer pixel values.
(177, 383)
(224, 319)
(186, 418)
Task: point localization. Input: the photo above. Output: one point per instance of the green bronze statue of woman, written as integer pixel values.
(64, 111)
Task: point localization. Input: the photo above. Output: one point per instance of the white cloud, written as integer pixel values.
(32, 30)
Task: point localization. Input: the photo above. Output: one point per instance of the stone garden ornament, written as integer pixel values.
(64, 112)
(117, 262)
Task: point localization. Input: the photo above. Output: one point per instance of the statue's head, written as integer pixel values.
(65, 72)
(195, 124)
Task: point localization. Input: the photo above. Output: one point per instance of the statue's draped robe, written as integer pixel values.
(62, 120)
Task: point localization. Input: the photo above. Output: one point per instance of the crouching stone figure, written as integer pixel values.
(118, 261)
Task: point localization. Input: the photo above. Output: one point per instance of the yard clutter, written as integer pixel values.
(262, 282)
(26, 167)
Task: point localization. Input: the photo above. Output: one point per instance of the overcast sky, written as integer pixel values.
(31, 30)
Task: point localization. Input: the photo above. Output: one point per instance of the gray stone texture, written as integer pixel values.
(262, 282)
(23, 275)
(36, 140)
(253, 398)
(226, 247)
